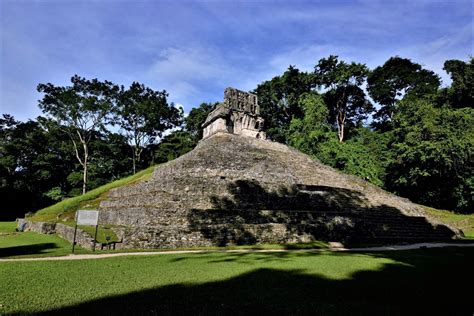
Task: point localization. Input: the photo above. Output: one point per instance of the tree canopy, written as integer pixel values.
(143, 115)
(388, 84)
(84, 108)
(346, 100)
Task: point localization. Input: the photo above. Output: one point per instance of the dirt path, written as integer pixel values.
(173, 252)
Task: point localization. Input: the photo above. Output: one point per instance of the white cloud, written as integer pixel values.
(186, 71)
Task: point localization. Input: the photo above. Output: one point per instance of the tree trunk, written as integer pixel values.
(134, 150)
(84, 175)
(138, 153)
(341, 116)
(341, 122)
(341, 133)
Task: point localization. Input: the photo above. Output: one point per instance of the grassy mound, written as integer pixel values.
(64, 210)
(464, 222)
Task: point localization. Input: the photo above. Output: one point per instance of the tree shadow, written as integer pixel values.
(253, 214)
(26, 249)
(424, 282)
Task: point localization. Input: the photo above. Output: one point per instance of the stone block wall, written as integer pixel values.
(219, 125)
(66, 232)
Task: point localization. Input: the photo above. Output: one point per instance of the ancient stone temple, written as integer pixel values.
(238, 114)
(236, 187)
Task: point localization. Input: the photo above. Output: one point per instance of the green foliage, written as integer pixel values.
(33, 160)
(143, 115)
(351, 157)
(433, 153)
(308, 133)
(279, 101)
(83, 109)
(387, 84)
(197, 117)
(174, 145)
(461, 92)
(312, 135)
(55, 194)
(86, 105)
(345, 98)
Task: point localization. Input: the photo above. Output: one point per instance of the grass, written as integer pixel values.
(15, 244)
(91, 200)
(465, 222)
(425, 281)
(7, 227)
(29, 244)
(102, 233)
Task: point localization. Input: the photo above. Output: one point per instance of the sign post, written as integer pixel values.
(75, 231)
(86, 218)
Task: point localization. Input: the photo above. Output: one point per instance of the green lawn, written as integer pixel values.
(7, 227)
(426, 281)
(29, 244)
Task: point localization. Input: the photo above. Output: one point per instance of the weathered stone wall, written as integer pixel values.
(83, 239)
(220, 227)
(40, 227)
(66, 232)
(219, 125)
(238, 114)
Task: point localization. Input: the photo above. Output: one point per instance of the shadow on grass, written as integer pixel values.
(26, 249)
(423, 282)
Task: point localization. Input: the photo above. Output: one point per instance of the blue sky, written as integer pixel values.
(194, 49)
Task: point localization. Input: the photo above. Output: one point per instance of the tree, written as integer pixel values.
(143, 115)
(174, 145)
(197, 116)
(278, 99)
(352, 157)
(33, 161)
(433, 155)
(344, 96)
(461, 92)
(387, 84)
(308, 133)
(83, 108)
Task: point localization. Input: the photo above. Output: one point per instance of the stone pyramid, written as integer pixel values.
(237, 189)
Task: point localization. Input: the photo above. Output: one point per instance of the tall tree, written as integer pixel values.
(143, 114)
(174, 145)
(433, 155)
(33, 161)
(83, 108)
(279, 100)
(461, 92)
(387, 84)
(344, 96)
(309, 132)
